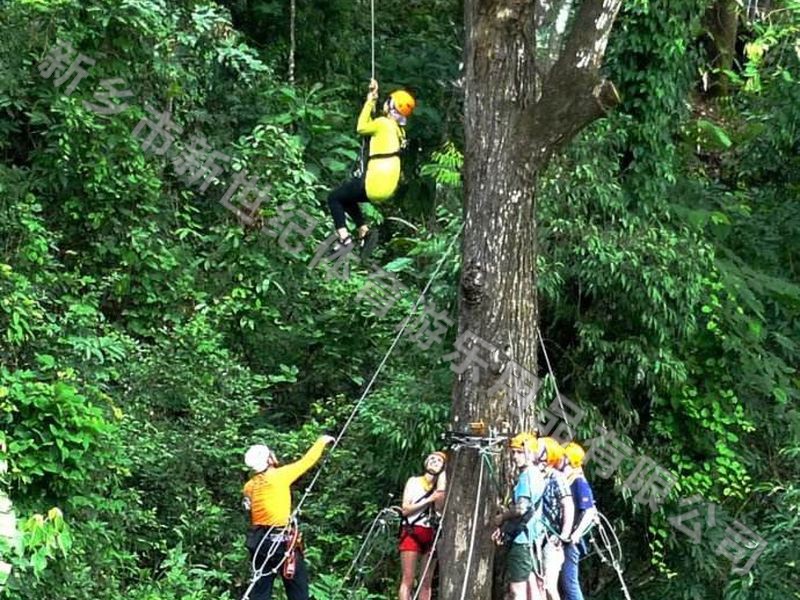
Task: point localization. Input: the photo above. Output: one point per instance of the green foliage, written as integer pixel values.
(148, 339)
(50, 429)
(666, 284)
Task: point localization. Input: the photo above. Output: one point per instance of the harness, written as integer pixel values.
(407, 524)
(364, 157)
(290, 536)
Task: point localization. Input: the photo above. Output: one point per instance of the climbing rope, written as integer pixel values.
(379, 524)
(555, 383)
(603, 526)
(259, 572)
(607, 554)
(372, 34)
(475, 514)
(495, 480)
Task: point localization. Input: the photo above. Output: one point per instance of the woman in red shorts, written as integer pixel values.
(422, 497)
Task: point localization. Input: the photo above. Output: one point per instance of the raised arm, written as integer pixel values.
(366, 124)
(295, 470)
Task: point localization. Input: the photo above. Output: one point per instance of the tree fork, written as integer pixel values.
(531, 85)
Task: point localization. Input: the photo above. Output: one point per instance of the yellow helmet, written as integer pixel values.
(555, 452)
(522, 441)
(403, 102)
(574, 454)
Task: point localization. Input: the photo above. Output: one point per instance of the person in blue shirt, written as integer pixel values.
(585, 514)
(519, 527)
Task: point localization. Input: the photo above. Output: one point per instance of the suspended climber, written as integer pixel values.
(272, 540)
(423, 499)
(376, 178)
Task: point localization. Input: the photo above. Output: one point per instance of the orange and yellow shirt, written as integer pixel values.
(270, 494)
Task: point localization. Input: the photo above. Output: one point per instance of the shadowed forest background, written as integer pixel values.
(147, 338)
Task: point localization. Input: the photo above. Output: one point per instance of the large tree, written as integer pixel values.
(532, 82)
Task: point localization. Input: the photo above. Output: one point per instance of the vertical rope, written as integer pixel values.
(474, 528)
(372, 34)
(362, 550)
(603, 528)
(555, 384)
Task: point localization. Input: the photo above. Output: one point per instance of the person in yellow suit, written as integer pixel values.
(381, 173)
(268, 499)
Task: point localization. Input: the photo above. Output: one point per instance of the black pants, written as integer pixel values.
(346, 199)
(296, 588)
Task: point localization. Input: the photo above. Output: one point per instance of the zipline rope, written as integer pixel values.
(474, 527)
(258, 573)
(553, 377)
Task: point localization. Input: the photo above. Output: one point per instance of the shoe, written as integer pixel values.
(337, 246)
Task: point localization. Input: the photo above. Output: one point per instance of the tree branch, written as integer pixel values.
(586, 44)
(573, 94)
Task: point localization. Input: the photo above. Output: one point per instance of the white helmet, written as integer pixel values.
(257, 457)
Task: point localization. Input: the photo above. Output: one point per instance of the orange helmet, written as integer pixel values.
(403, 102)
(555, 451)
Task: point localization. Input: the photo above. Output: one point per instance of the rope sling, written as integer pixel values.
(258, 570)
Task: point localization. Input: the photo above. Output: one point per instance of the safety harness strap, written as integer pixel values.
(384, 155)
(421, 514)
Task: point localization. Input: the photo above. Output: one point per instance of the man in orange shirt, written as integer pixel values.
(268, 498)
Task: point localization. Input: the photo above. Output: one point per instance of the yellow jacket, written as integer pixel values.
(386, 136)
(269, 492)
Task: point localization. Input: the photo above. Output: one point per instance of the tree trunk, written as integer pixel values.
(292, 40)
(531, 84)
(722, 21)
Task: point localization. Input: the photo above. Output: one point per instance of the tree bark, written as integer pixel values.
(531, 84)
(722, 22)
(292, 39)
